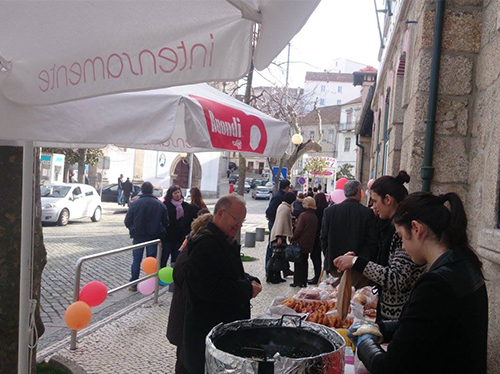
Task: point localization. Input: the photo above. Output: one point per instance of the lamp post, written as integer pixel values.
(297, 140)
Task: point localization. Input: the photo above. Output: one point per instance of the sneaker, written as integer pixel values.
(133, 288)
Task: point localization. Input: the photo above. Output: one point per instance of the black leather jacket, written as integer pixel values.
(443, 327)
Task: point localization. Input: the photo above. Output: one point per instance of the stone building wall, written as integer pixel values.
(467, 136)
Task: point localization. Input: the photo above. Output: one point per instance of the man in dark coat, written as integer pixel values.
(349, 227)
(218, 289)
(271, 216)
(127, 187)
(146, 219)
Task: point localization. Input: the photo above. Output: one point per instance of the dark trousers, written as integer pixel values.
(316, 258)
(137, 258)
(179, 367)
(171, 249)
(300, 270)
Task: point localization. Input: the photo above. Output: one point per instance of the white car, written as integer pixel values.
(68, 201)
(261, 192)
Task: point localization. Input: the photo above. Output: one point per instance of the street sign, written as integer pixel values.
(284, 171)
(301, 181)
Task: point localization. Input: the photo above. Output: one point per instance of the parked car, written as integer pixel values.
(110, 192)
(157, 192)
(257, 182)
(249, 181)
(68, 201)
(261, 192)
(247, 187)
(233, 178)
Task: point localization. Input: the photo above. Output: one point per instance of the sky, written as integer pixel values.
(336, 29)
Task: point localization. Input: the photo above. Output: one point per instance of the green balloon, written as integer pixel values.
(166, 275)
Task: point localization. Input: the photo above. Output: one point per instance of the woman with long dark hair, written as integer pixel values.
(196, 200)
(444, 326)
(181, 215)
(393, 272)
(321, 205)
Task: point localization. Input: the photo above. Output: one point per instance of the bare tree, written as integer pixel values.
(286, 104)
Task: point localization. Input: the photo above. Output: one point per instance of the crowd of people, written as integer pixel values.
(412, 248)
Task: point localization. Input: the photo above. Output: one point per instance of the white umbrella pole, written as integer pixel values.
(191, 165)
(23, 363)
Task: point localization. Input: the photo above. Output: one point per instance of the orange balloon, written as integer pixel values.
(149, 265)
(78, 315)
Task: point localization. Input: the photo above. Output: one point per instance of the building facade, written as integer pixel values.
(466, 146)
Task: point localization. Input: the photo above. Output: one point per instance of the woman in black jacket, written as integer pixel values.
(444, 325)
(181, 214)
(393, 272)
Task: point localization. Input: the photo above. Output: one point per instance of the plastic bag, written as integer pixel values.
(344, 294)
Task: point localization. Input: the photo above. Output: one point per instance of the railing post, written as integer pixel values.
(79, 264)
(158, 267)
(76, 295)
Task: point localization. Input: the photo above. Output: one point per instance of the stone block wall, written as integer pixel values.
(484, 168)
(467, 136)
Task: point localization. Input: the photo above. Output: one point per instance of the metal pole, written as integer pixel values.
(191, 165)
(158, 267)
(427, 172)
(287, 65)
(25, 259)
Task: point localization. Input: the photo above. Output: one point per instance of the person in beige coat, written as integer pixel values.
(281, 232)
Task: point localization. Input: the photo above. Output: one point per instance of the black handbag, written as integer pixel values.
(292, 253)
(277, 262)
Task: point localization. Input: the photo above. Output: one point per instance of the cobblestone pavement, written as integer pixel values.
(80, 238)
(135, 341)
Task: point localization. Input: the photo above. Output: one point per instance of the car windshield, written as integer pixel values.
(54, 191)
(157, 193)
(262, 189)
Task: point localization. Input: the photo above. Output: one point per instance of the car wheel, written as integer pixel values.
(97, 214)
(63, 217)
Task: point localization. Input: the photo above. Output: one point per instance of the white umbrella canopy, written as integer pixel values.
(191, 118)
(57, 51)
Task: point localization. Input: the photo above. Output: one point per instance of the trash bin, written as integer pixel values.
(249, 239)
(285, 345)
(260, 234)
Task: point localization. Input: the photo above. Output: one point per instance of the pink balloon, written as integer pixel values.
(94, 293)
(147, 287)
(341, 183)
(337, 196)
(370, 183)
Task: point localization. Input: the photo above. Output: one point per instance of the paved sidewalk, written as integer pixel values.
(133, 340)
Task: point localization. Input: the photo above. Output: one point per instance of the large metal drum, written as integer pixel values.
(263, 346)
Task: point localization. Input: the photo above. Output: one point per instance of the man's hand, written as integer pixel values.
(344, 262)
(256, 289)
(279, 241)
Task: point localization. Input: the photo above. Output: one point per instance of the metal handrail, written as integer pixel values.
(81, 260)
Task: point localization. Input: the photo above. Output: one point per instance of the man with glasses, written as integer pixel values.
(218, 289)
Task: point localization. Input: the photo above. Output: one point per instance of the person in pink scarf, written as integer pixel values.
(181, 214)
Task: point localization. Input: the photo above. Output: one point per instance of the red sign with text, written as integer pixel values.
(233, 129)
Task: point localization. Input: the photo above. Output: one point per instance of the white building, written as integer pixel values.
(333, 87)
(343, 65)
(346, 140)
(164, 169)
